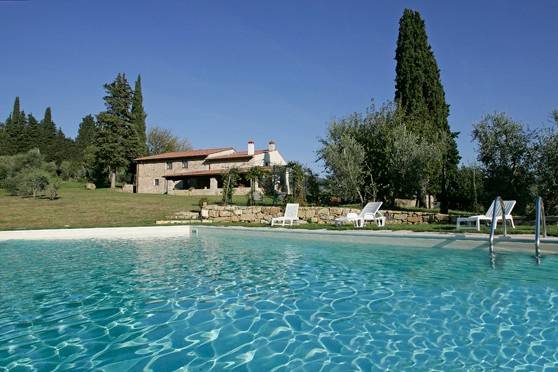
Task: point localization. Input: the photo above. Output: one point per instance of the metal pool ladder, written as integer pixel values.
(498, 202)
(540, 219)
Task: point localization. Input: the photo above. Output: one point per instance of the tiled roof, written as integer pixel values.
(199, 172)
(185, 154)
(236, 155)
(208, 172)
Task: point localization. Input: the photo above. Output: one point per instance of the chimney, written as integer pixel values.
(250, 147)
(271, 146)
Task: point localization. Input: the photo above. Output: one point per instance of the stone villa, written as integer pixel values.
(200, 172)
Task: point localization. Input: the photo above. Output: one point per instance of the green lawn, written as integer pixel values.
(78, 207)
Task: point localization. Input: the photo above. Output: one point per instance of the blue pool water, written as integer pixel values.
(261, 301)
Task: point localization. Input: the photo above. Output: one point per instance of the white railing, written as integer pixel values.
(540, 221)
(498, 201)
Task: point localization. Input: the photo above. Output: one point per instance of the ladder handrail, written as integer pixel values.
(540, 219)
(494, 222)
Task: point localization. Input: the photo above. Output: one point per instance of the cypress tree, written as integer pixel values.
(85, 139)
(2, 138)
(33, 133)
(62, 148)
(420, 94)
(138, 117)
(116, 139)
(86, 132)
(48, 136)
(15, 131)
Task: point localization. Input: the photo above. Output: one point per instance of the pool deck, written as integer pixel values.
(98, 233)
(512, 242)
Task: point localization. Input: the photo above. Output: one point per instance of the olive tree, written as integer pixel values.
(414, 164)
(344, 160)
(546, 166)
(505, 154)
(28, 175)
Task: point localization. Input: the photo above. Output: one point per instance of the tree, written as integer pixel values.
(344, 159)
(413, 163)
(27, 174)
(139, 116)
(3, 139)
(15, 131)
(312, 187)
(86, 149)
(546, 166)
(419, 92)
(296, 178)
(33, 133)
(387, 160)
(86, 132)
(468, 189)
(116, 141)
(230, 180)
(374, 133)
(505, 152)
(254, 175)
(31, 183)
(273, 182)
(160, 140)
(48, 144)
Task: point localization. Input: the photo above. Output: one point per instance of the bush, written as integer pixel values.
(32, 182)
(51, 190)
(71, 170)
(29, 175)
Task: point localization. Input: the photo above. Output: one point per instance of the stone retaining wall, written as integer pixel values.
(318, 215)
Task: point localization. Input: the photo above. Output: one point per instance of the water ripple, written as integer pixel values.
(261, 302)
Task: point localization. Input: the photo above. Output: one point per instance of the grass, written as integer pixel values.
(78, 207)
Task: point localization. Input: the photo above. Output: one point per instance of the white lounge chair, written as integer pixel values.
(508, 207)
(290, 217)
(370, 212)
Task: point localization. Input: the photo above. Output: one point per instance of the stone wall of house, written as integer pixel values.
(147, 173)
(210, 192)
(318, 215)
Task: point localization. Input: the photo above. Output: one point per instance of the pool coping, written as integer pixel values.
(142, 232)
(512, 242)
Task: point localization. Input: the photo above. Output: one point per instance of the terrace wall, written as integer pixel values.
(318, 215)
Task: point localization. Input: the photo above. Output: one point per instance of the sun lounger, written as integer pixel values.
(290, 217)
(475, 221)
(370, 212)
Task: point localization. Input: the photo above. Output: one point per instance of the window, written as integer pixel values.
(184, 163)
(169, 164)
(156, 182)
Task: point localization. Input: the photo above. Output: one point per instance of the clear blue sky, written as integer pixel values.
(221, 72)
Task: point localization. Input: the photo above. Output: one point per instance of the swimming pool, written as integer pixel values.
(264, 301)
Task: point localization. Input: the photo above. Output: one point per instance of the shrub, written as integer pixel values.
(71, 170)
(32, 182)
(28, 175)
(51, 190)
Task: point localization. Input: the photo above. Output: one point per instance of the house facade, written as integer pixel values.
(200, 172)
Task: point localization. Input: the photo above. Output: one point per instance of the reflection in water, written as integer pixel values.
(265, 301)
